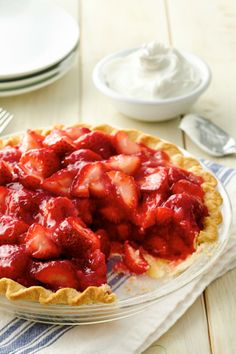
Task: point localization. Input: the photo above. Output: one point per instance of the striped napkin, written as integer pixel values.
(138, 332)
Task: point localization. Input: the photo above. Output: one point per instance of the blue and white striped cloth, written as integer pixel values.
(126, 336)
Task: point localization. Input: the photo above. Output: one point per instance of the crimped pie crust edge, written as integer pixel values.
(102, 294)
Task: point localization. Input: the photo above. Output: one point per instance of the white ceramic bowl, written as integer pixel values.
(152, 110)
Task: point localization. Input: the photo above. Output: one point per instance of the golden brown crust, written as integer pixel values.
(69, 296)
(92, 294)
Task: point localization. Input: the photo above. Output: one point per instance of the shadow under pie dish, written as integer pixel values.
(77, 200)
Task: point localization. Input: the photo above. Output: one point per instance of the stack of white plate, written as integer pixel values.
(38, 44)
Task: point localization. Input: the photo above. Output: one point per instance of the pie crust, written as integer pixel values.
(103, 294)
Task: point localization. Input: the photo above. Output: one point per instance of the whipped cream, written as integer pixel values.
(152, 72)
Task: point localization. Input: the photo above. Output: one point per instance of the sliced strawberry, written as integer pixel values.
(59, 141)
(10, 154)
(84, 208)
(157, 246)
(30, 181)
(164, 216)
(98, 142)
(10, 229)
(124, 145)
(93, 180)
(105, 244)
(39, 244)
(157, 181)
(3, 199)
(187, 208)
(144, 216)
(13, 261)
(55, 210)
(31, 140)
(134, 260)
(60, 182)
(112, 212)
(55, 274)
(76, 132)
(128, 164)
(184, 185)
(6, 175)
(22, 204)
(175, 174)
(160, 156)
(126, 188)
(75, 238)
(94, 272)
(40, 162)
(81, 155)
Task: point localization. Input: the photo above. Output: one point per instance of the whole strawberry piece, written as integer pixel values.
(39, 243)
(40, 162)
(31, 140)
(98, 142)
(60, 182)
(75, 238)
(10, 229)
(126, 188)
(13, 261)
(59, 141)
(55, 274)
(128, 164)
(124, 145)
(134, 259)
(75, 132)
(157, 181)
(91, 180)
(81, 155)
(184, 185)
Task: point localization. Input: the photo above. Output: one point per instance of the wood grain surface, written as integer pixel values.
(207, 28)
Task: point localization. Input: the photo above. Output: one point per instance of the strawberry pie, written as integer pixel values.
(70, 198)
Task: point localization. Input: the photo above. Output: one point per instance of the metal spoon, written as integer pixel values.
(208, 136)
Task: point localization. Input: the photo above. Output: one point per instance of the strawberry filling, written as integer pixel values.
(71, 200)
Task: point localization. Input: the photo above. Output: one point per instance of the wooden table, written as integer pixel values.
(204, 27)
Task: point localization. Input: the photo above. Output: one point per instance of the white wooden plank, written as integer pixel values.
(188, 335)
(221, 305)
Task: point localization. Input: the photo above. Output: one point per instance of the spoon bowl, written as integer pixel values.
(208, 136)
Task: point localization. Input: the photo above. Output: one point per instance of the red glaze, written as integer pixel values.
(73, 198)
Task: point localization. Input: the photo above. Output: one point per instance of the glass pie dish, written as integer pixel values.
(134, 293)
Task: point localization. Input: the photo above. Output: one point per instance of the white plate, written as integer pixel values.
(34, 35)
(38, 83)
(41, 76)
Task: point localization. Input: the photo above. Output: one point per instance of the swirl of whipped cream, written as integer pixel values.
(152, 72)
